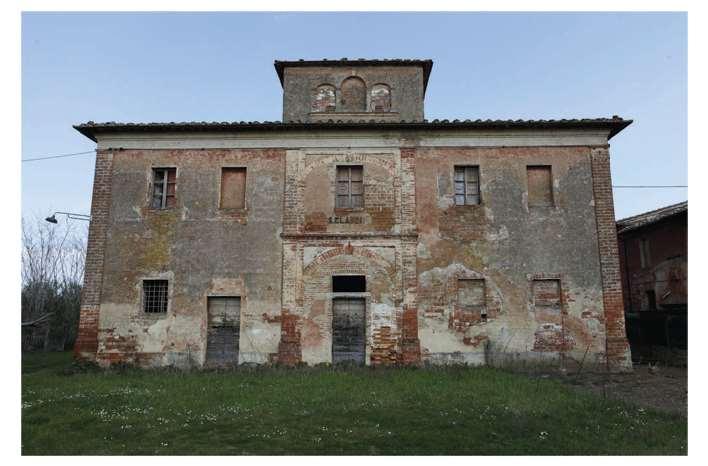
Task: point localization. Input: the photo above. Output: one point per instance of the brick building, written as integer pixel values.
(353, 230)
(653, 249)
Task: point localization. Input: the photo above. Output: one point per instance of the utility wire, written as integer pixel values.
(652, 186)
(58, 156)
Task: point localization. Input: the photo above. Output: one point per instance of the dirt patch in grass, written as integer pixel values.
(655, 387)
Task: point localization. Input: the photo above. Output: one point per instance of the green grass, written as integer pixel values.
(325, 411)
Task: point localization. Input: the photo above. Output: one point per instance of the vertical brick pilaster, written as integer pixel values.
(617, 349)
(87, 339)
(408, 212)
(410, 343)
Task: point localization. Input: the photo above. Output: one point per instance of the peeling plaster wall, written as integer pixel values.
(508, 244)
(376, 241)
(201, 249)
(409, 240)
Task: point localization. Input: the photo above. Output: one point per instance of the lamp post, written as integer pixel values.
(53, 217)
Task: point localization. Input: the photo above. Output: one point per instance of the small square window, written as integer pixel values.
(466, 185)
(350, 187)
(164, 185)
(155, 296)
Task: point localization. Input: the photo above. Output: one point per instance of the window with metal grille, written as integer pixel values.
(350, 187)
(540, 183)
(233, 188)
(164, 183)
(155, 296)
(466, 185)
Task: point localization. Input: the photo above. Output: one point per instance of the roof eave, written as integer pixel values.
(91, 130)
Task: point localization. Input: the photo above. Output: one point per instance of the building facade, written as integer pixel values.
(353, 231)
(653, 249)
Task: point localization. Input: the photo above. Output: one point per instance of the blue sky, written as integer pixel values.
(219, 67)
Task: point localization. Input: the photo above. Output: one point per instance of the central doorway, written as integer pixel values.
(349, 320)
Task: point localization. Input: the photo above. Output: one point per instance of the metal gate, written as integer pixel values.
(223, 331)
(348, 330)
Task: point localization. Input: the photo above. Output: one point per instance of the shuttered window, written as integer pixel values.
(164, 186)
(233, 188)
(350, 187)
(466, 185)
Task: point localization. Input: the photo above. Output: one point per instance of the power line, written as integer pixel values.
(652, 186)
(58, 156)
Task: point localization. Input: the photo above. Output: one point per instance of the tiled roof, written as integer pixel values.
(91, 129)
(653, 216)
(427, 64)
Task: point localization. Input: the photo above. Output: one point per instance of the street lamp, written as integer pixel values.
(53, 218)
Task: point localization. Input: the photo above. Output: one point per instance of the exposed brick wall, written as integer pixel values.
(289, 349)
(87, 338)
(617, 349)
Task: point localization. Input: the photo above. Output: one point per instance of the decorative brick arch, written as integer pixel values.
(347, 250)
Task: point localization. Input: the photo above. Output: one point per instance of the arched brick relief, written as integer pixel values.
(312, 161)
(347, 250)
(380, 98)
(324, 99)
(353, 95)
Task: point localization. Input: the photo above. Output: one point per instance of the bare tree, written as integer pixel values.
(53, 259)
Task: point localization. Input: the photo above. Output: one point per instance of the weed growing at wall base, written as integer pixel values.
(454, 410)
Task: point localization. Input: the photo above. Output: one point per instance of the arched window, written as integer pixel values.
(353, 95)
(324, 99)
(380, 98)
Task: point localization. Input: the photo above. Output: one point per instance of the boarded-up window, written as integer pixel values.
(466, 185)
(164, 187)
(223, 332)
(471, 293)
(324, 99)
(380, 98)
(233, 188)
(547, 294)
(350, 187)
(540, 184)
(353, 95)
(155, 296)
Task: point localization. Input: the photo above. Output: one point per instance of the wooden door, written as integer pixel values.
(224, 315)
(348, 330)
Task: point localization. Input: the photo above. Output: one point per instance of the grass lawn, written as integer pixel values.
(451, 410)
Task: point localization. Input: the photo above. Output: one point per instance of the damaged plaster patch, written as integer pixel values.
(502, 234)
